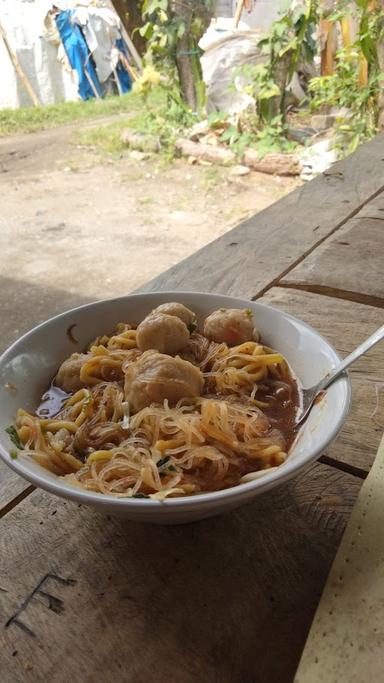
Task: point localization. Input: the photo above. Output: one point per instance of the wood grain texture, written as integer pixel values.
(253, 255)
(11, 487)
(85, 597)
(346, 324)
(350, 263)
(345, 644)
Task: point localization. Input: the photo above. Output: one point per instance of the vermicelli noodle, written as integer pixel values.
(241, 422)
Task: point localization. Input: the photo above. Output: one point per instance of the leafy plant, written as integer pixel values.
(172, 29)
(288, 41)
(355, 85)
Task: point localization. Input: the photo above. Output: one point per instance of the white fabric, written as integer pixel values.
(101, 29)
(40, 51)
(263, 12)
(225, 52)
(23, 23)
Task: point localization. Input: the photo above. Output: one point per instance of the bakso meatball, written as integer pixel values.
(178, 310)
(164, 333)
(68, 376)
(155, 377)
(230, 325)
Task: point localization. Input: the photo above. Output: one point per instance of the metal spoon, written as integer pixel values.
(309, 395)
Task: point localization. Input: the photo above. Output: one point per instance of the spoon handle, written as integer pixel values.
(363, 348)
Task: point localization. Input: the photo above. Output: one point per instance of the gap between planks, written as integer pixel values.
(344, 466)
(16, 500)
(335, 293)
(276, 281)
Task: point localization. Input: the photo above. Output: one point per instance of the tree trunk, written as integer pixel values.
(184, 12)
(187, 59)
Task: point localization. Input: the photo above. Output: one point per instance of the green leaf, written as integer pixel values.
(13, 435)
(279, 28)
(272, 90)
(140, 495)
(163, 40)
(13, 454)
(181, 30)
(229, 134)
(297, 14)
(146, 31)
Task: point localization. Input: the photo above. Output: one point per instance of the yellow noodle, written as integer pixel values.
(162, 451)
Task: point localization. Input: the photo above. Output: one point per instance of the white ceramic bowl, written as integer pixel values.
(32, 361)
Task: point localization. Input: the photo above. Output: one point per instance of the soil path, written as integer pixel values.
(75, 227)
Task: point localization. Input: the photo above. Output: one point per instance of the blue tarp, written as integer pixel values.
(78, 54)
(122, 74)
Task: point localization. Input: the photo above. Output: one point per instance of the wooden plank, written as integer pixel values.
(346, 324)
(252, 256)
(346, 639)
(88, 597)
(350, 263)
(12, 488)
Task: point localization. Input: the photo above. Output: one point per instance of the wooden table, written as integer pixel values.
(87, 598)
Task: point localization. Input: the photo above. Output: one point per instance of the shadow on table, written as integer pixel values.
(26, 304)
(228, 599)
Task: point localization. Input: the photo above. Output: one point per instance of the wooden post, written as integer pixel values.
(239, 9)
(328, 31)
(90, 81)
(128, 67)
(19, 70)
(127, 40)
(118, 84)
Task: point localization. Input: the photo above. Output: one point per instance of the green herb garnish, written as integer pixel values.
(249, 312)
(192, 327)
(163, 461)
(140, 495)
(171, 468)
(88, 401)
(13, 435)
(13, 454)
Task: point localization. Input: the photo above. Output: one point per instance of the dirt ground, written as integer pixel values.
(75, 226)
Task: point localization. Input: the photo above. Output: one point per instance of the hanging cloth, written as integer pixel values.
(101, 29)
(78, 54)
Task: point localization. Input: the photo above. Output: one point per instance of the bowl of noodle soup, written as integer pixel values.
(166, 407)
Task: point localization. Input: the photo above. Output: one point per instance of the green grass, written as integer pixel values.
(107, 138)
(31, 119)
(212, 177)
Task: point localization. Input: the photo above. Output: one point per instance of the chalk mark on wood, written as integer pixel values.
(54, 604)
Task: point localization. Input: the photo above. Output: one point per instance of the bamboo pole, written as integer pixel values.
(19, 70)
(128, 40)
(128, 67)
(91, 83)
(239, 9)
(118, 84)
(328, 31)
